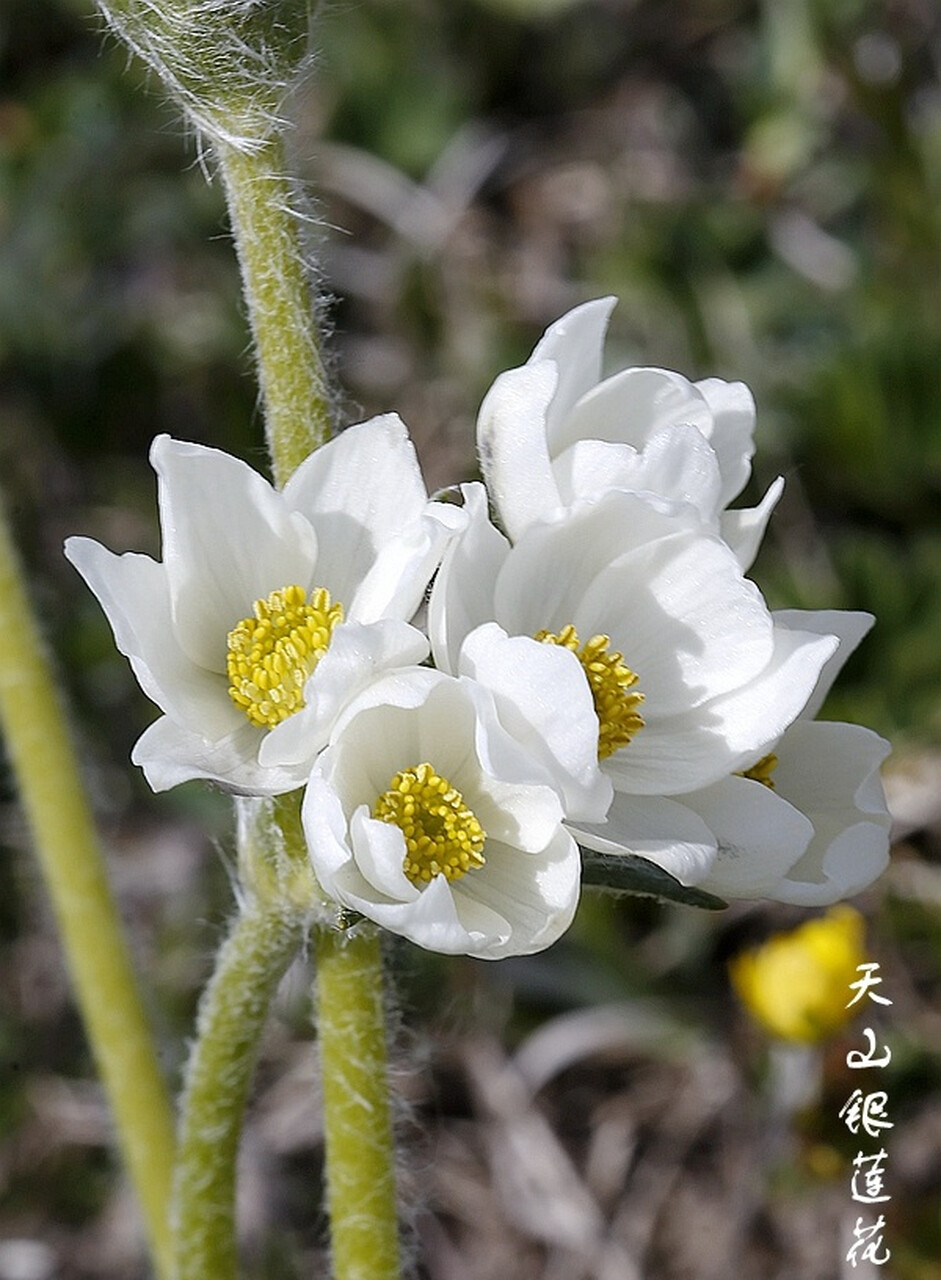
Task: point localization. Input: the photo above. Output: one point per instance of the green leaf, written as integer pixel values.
(626, 873)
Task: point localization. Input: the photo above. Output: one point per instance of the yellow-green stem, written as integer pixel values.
(70, 855)
(357, 1116)
(281, 303)
(232, 1015)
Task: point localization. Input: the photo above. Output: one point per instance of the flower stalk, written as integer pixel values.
(70, 856)
(280, 301)
(251, 963)
(357, 1117)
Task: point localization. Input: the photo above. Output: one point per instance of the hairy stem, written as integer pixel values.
(357, 1118)
(73, 867)
(281, 303)
(232, 1015)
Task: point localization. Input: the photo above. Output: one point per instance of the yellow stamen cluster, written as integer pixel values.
(762, 771)
(442, 835)
(271, 654)
(612, 687)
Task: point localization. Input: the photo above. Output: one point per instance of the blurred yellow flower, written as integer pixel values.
(796, 985)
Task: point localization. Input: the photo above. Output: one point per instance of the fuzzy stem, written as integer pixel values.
(357, 1117)
(280, 303)
(70, 855)
(232, 1014)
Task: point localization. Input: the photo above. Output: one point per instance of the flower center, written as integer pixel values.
(271, 654)
(612, 687)
(442, 835)
(762, 771)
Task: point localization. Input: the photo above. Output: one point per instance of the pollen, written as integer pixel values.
(442, 835)
(272, 653)
(612, 687)
(762, 771)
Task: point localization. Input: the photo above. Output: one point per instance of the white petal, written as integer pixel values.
(685, 619)
(697, 748)
(631, 407)
(549, 570)
(431, 921)
(359, 491)
(760, 836)
(831, 771)
(576, 344)
(849, 626)
(835, 869)
(513, 448)
(462, 595)
(676, 463)
(132, 589)
(544, 701)
(325, 830)
(743, 530)
(396, 583)
(228, 539)
(662, 831)
(379, 851)
(357, 656)
(536, 892)
(170, 754)
(733, 429)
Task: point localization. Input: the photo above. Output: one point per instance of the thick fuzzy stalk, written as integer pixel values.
(70, 856)
(280, 303)
(357, 1116)
(249, 966)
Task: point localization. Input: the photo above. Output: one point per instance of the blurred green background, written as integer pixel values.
(760, 184)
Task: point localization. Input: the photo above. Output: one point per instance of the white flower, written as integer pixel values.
(423, 815)
(690, 677)
(808, 824)
(553, 432)
(269, 609)
(805, 823)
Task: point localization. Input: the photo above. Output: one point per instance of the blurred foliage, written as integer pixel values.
(759, 183)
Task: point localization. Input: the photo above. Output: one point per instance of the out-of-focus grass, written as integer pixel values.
(761, 186)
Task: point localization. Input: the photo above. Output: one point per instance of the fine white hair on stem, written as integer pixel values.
(230, 64)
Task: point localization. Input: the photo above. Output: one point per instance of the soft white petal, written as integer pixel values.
(662, 831)
(357, 656)
(850, 626)
(170, 754)
(760, 836)
(512, 444)
(359, 492)
(379, 852)
(431, 920)
(835, 869)
(697, 748)
(831, 771)
(132, 589)
(228, 539)
(325, 831)
(576, 344)
(462, 594)
(544, 701)
(676, 463)
(743, 530)
(554, 564)
(536, 892)
(631, 407)
(733, 429)
(395, 585)
(685, 619)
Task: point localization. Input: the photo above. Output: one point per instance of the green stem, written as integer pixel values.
(357, 1120)
(73, 867)
(280, 301)
(232, 1015)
